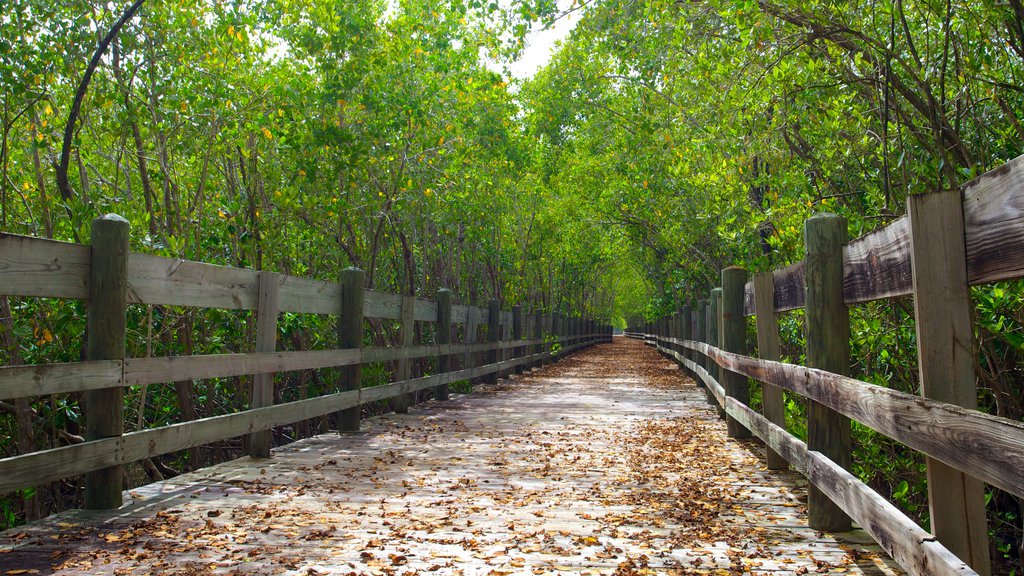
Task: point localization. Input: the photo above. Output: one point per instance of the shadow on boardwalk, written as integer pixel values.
(609, 462)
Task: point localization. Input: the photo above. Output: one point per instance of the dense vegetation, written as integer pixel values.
(664, 141)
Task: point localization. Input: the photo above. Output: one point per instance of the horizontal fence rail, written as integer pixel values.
(947, 242)
(877, 265)
(40, 268)
(914, 548)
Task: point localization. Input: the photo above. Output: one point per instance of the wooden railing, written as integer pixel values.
(947, 242)
(109, 278)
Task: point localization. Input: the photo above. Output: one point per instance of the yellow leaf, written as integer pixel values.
(222, 214)
(47, 335)
(231, 30)
(267, 133)
(428, 192)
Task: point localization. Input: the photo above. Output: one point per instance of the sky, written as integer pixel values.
(541, 43)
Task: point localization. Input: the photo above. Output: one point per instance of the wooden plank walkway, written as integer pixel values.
(609, 462)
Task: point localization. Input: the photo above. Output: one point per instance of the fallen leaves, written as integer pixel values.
(609, 463)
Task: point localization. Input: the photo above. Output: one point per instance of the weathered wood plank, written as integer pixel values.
(47, 465)
(994, 224)
(945, 338)
(733, 337)
(106, 334)
(174, 368)
(768, 346)
(912, 547)
(176, 282)
(459, 313)
(43, 268)
(403, 370)
(990, 446)
(262, 441)
(426, 310)
(382, 305)
(901, 537)
(42, 379)
(827, 335)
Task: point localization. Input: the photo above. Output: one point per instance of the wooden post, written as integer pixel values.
(443, 336)
(350, 335)
(493, 331)
(768, 343)
(106, 333)
(686, 333)
(403, 370)
(714, 328)
(470, 335)
(700, 335)
(261, 442)
(828, 347)
(517, 335)
(538, 334)
(556, 330)
(506, 336)
(942, 308)
(549, 331)
(734, 339)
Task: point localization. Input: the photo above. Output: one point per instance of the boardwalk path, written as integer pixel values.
(609, 462)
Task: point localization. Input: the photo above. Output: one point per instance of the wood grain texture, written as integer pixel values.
(177, 282)
(350, 336)
(262, 441)
(459, 313)
(106, 334)
(994, 224)
(768, 346)
(382, 305)
(48, 465)
(733, 337)
(945, 339)
(43, 268)
(403, 369)
(443, 337)
(827, 333)
(59, 378)
(990, 446)
(911, 546)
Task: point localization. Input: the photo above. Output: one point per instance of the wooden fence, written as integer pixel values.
(109, 278)
(947, 242)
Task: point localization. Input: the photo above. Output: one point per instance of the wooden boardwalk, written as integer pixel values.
(609, 462)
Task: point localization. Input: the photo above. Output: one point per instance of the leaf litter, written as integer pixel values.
(609, 462)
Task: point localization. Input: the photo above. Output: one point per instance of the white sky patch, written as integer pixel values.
(540, 45)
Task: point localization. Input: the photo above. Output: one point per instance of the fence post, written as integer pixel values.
(714, 330)
(942, 309)
(734, 339)
(403, 369)
(768, 344)
(493, 328)
(686, 333)
(700, 335)
(538, 334)
(443, 337)
(106, 321)
(470, 336)
(517, 335)
(350, 335)
(261, 442)
(827, 322)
